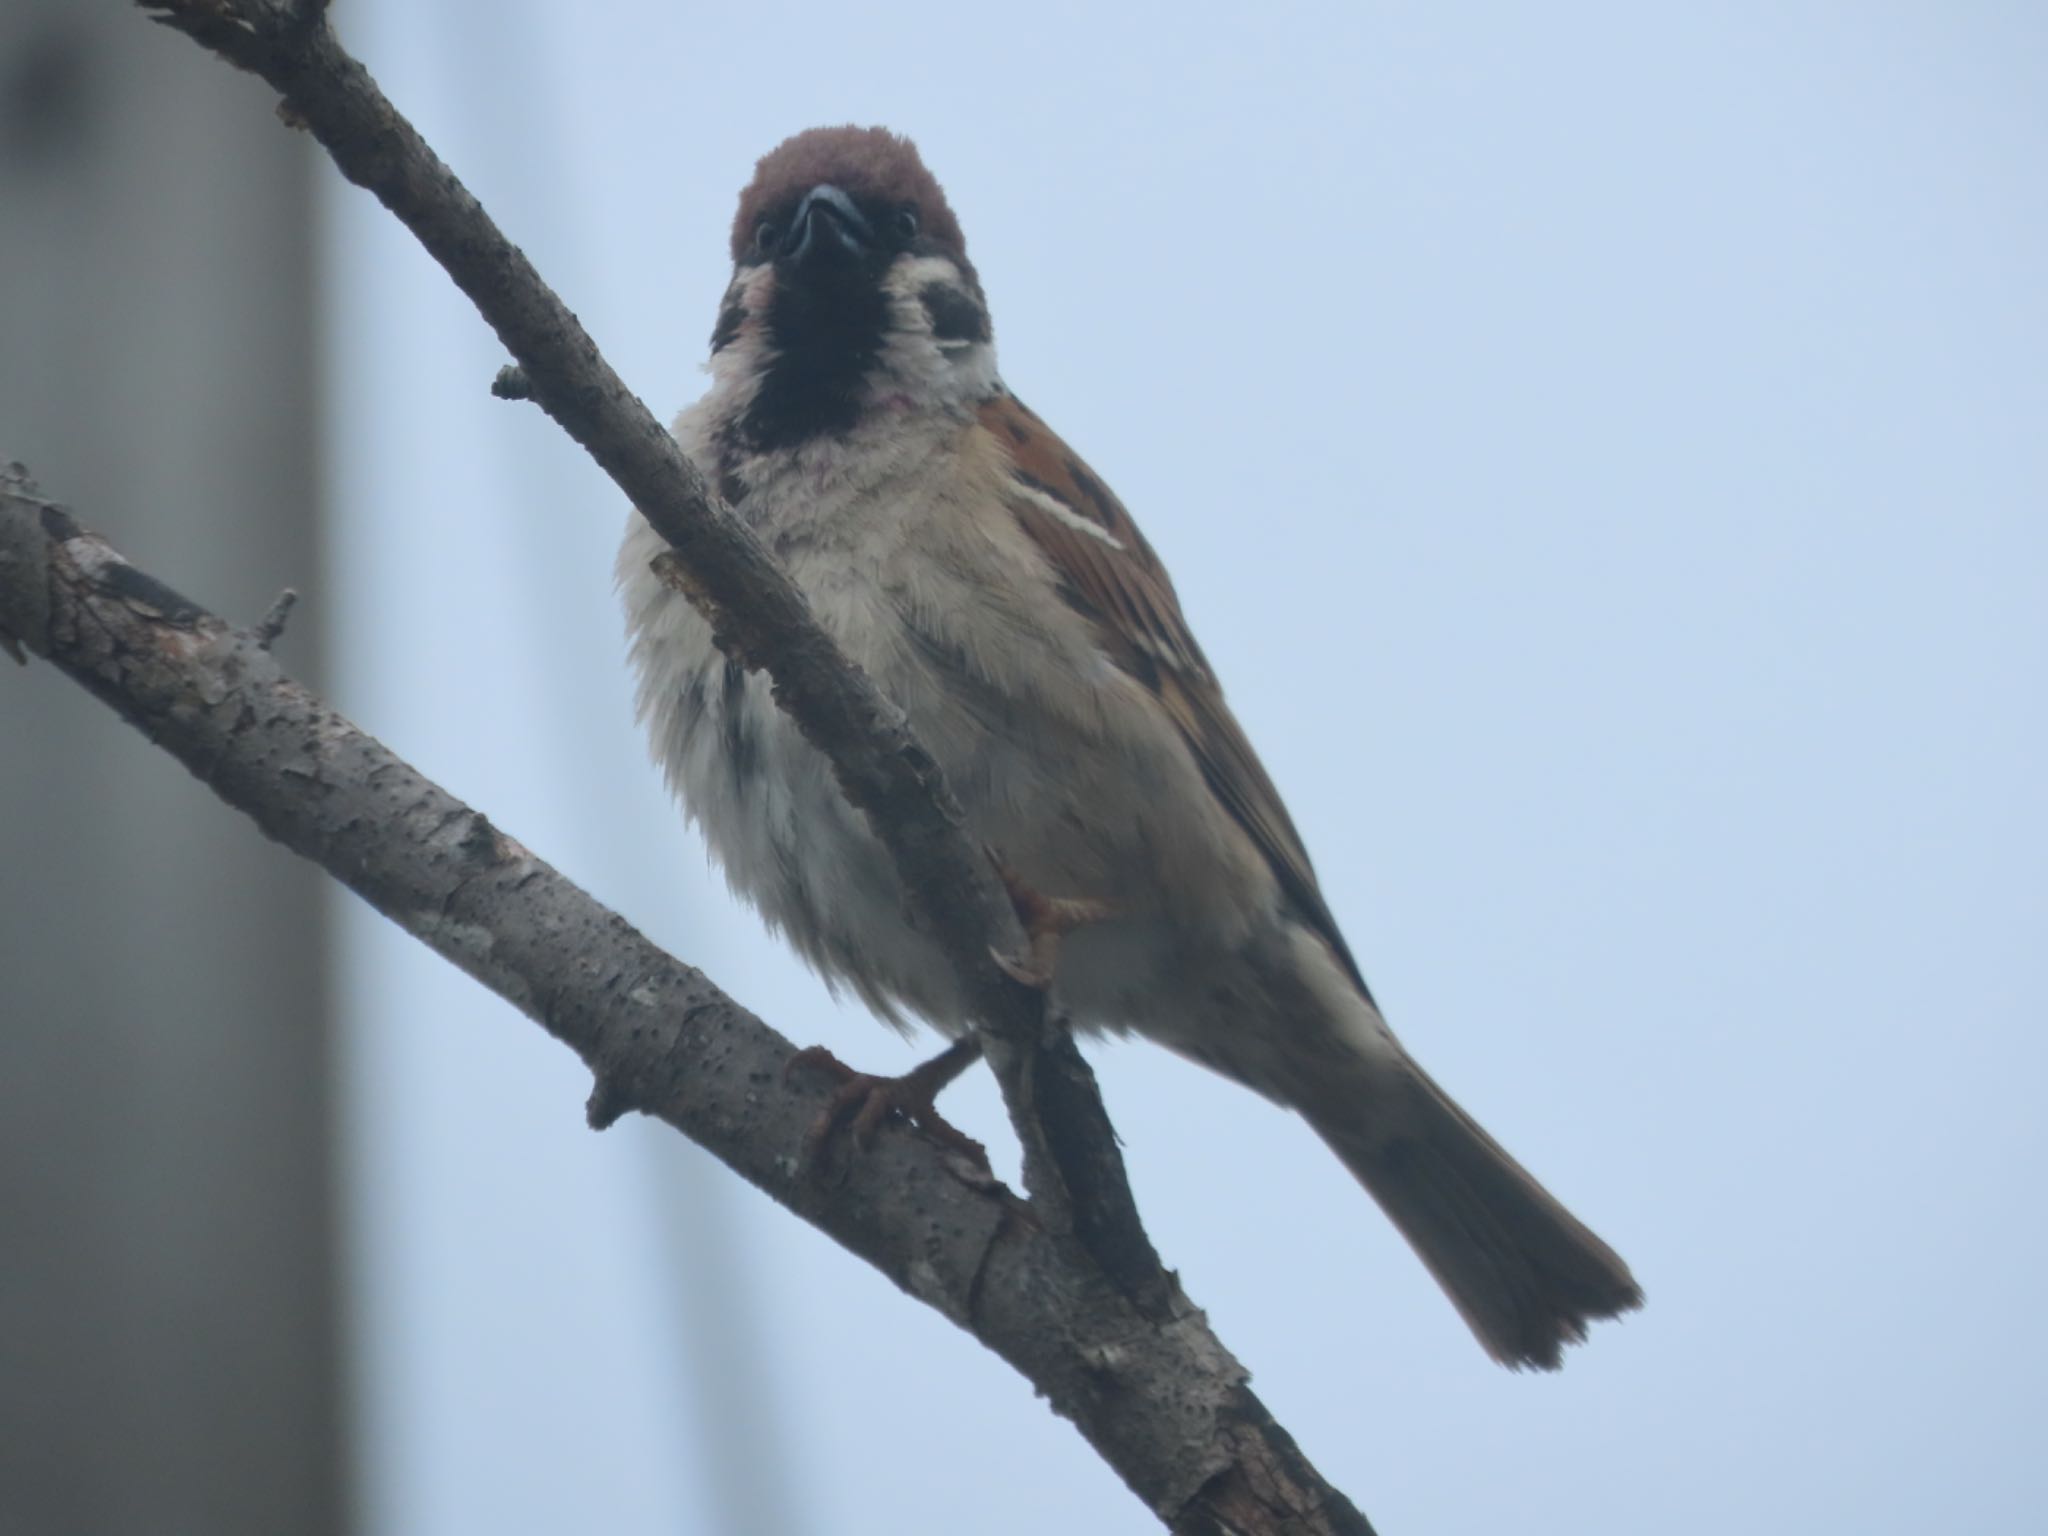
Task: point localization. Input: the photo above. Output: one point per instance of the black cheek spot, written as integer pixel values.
(954, 315)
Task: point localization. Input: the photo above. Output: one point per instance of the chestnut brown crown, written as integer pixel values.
(871, 165)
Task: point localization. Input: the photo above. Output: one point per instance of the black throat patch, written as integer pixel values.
(827, 335)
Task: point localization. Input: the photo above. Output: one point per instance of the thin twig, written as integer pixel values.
(270, 628)
(512, 383)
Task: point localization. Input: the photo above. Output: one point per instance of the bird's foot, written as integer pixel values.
(862, 1101)
(1046, 920)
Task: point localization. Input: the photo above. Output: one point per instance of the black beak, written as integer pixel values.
(828, 228)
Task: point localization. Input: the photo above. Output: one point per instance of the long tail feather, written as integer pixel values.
(1525, 1274)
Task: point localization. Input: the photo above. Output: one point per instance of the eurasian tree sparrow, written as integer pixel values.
(999, 592)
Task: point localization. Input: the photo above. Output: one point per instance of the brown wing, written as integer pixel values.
(1110, 573)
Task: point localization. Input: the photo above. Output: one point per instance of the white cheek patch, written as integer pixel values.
(1053, 507)
(910, 275)
(919, 365)
(738, 360)
(916, 367)
(755, 286)
(911, 285)
(968, 372)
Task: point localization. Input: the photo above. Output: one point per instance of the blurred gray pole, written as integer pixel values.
(168, 1357)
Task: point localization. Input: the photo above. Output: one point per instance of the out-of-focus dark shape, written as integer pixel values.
(168, 1357)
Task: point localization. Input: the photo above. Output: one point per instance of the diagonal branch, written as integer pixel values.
(1081, 1199)
(1071, 1163)
(1073, 1169)
(1153, 1390)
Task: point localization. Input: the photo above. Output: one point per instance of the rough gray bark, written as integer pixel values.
(1139, 1372)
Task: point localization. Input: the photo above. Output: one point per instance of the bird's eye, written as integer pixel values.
(764, 235)
(906, 222)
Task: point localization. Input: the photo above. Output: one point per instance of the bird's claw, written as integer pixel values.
(1045, 920)
(862, 1101)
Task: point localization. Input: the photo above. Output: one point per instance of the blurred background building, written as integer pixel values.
(1600, 448)
(169, 1355)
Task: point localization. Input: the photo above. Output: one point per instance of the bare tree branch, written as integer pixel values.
(757, 614)
(1081, 1199)
(1146, 1381)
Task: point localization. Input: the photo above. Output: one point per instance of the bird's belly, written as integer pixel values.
(1101, 802)
(1113, 818)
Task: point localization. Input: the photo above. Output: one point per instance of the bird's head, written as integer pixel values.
(851, 290)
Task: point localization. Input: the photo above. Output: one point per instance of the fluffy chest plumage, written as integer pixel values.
(898, 536)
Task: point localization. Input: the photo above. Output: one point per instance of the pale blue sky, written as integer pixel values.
(1604, 451)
